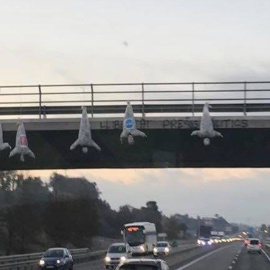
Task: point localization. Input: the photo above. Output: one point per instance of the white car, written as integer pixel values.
(116, 253)
(162, 248)
(202, 241)
(254, 245)
(143, 264)
(216, 239)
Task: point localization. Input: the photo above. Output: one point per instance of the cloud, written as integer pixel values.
(135, 176)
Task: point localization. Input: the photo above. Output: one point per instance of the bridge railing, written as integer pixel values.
(146, 98)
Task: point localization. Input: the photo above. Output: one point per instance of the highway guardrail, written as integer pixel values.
(30, 261)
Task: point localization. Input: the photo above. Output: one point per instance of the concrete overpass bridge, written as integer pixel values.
(166, 112)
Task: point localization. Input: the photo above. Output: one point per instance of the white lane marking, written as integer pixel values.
(265, 254)
(201, 258)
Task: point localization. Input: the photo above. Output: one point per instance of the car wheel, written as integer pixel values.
(260, 252)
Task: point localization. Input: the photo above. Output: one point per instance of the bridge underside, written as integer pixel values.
(163, 148)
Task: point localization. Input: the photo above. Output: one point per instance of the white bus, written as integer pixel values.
(140, 236)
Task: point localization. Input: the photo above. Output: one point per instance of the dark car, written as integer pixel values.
(143, 264)
(56, 259)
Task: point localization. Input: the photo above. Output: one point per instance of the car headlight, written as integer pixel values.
(155, 249)
(58, 261)
(142, 248)
(203, 243)
(209, 242)
(166, 249)
(107, 259)
(123, 258)
(41, 262)
(199, 241)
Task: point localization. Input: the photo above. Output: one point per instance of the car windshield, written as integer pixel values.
(117, 249)
(54, 253)
(162, 244)
(138, 267)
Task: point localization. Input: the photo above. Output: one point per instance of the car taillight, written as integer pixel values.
(260, 245)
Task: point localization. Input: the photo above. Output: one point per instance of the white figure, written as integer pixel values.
(85, 136)
(21, 147)
(129, 126)
(3, 145)
(206, 127)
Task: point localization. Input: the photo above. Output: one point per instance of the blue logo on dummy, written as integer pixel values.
(129, 123)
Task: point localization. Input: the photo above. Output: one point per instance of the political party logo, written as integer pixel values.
(23, 141)
(129, 123)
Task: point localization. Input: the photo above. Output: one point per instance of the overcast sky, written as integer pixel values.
(240, 195)
(70, 41)
(82, 41)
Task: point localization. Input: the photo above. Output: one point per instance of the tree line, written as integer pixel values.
(68, 211)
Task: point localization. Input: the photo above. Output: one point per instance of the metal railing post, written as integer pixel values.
(245, 99)
(92, 100)
(193, 95)
(40, 100)
(143, 113)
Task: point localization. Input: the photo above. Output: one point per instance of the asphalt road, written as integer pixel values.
(99, 264)
(217, 259)
(252, 261)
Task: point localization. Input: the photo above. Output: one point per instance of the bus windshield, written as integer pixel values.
(135, 238)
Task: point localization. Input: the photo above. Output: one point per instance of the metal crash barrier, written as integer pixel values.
(30, 261)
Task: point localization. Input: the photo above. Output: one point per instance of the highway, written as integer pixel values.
(216, 259)
(187, 256)
(99, 264)
(252, 261)
(191, 257)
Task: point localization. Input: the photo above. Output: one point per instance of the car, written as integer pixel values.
(162, 248)
(117, 253)
(225, 239)
(56, 258)
(215, 239)
(145, 264)
(254, 245)
(203, 241)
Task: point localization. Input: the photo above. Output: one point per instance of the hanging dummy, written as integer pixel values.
(129, 126)
(85, 137)
(3, 145)
(21, 147)
(206, 127)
